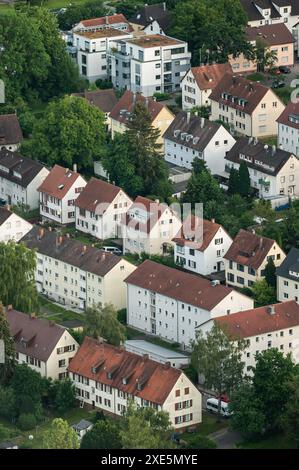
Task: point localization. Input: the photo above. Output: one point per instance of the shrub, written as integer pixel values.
(161, 96)
(201, 442)
(122, 316)
(104, 84)
(26, 421)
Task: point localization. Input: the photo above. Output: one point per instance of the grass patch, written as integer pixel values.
(284, 93)
(56, 313)
(278, 441)
(256, 77)
(271, 140)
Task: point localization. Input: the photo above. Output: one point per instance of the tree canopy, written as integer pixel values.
(103, 435)
(60, 436)
(103, 322)
(8, 366)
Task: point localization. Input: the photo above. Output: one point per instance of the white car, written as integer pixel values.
(112, 249)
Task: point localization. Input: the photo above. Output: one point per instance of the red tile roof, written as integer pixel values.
(96, 192)
(127, 103)
(260, 320)
(10, 130)
(154, 210)
(157, 380)
(176, 284)
(271, 34)
(208, 76)
(58, 182)
(197, 233)
(40, 336)
(105, 20)
(292, 109)
(249, 249)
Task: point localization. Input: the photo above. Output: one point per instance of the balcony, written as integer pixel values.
(264, 183)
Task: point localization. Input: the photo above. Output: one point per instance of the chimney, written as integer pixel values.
(84, 249)
(202, 122)
(9, 308)
(261, 243)
(67, 235)
(167, 365)
(59, 240)
(7, 207)
(106, 19)
(50, 229)
(75, 167)
(253, 231)
(32, 316)
(273, 150)
(134, 99)
(164, 6)
(41, 233)
(146, 102)
(145, 357)
(271, 310)
(157, 201)
(213, 221)
(188, 117)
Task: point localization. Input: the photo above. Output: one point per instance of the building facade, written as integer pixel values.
(288, 129)
(288, 277)
(12, 226)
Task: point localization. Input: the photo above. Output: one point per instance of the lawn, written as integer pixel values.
(54, 312)
(278, 441)
(256, 77)
(272, 140)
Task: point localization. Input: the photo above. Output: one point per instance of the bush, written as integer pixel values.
(26, 421)
(122, 316)
(104, 84)
(201, 442)
(161, 96)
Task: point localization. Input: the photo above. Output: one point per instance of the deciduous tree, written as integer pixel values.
(8, 366)
(60, 436)
(104, 435)
(103, 322)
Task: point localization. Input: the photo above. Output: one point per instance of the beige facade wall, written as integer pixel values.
(265, 115)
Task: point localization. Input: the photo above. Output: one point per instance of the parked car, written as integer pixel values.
(275, 71)
(2, 202)
(284, 69)
(112, 249)
(278, 84)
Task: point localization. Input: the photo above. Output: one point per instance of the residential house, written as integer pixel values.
(151, 19)
(121, 113)
(92, 48)
(249, 108)
(20, 178)
(58, 194)
(272, 171)
(11, 134)
(75, 274)
(288, 277)
(82, 427)
(171, 303)
(275, 37)
(149, 64)
(100, 209)
(264, 12)
(157, 353)
(200, 245)
(117, 21)
(190, 137)
(288, 128)
(149, 227)
(44, 346)
(12, 226)
(199, 82)
(104, 100)
(106, 377)
(272, 326)
(247, 257)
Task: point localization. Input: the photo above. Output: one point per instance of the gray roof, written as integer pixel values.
(261, 157)
(290, 263)
(197, 132)
(82, 425)
(147, 347)
(179, 187)
(4, 215)
(15, 162)
(70, 251)
(69, 324)
(148, 13)
(10, 130)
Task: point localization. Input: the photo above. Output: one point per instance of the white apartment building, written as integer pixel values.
(92, 48)
(149, 64)
(58, 193)
(288, 129)
(106, 377)
(149, 227)
(20, 178)
(288, 277)
(273, 172)
(11, 134)
(190, 136)
(170, 303)
(199, 82)
(100, 209)
(116, 21)
(247, 257)
(200, 246)
(43, 345)
(77, 275)
(272, 326)
(157, 353)
(12, 226)
(249, 108)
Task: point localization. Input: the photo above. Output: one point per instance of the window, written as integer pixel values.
(158, 66)
(290, 332)
(240, 267)
(177, 393)
(83, 70)
(186, 390)
(240, 280)
(157, 52)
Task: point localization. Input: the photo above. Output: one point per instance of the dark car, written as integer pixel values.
(2, 202)
(275, 71)
(284, 69)
(278, 84)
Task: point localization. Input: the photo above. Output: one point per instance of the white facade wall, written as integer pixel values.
(108, 224)
(287, 289)
(192, 95)
(207, 261)
(288, 139)
(14, 228)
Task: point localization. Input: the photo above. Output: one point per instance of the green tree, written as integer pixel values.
(265, 58)
(244, 180)
(217, 359)
(290, 418)
(17, 274)
(8, 406)
(263, 293)
(78, 12)
(269, 273)
(8, 366)
(104, 435)
(70, 131)
(60, 436)
(145, 428)
(233, 182)
(30, 388)
(62, 395)
(103, 322)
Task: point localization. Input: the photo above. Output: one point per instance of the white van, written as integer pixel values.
(112, 249)
(212, 405)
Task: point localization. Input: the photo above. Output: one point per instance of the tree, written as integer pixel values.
(244, 180)
(30, 388)
(103, 322)
(76, 13)
(217, 358)
(8, 407)
(104, 435)
(269, 273)
(70, 131)
(233, 181)
(60, 436)
(8, 366)
(17, 274)
(265, 58)
(290, 418)
(145, 428)
(263, 293)
(62, 395)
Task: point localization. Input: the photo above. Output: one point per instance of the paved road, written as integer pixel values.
(225, 438)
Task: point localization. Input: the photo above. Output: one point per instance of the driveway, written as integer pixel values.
(225, 438)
